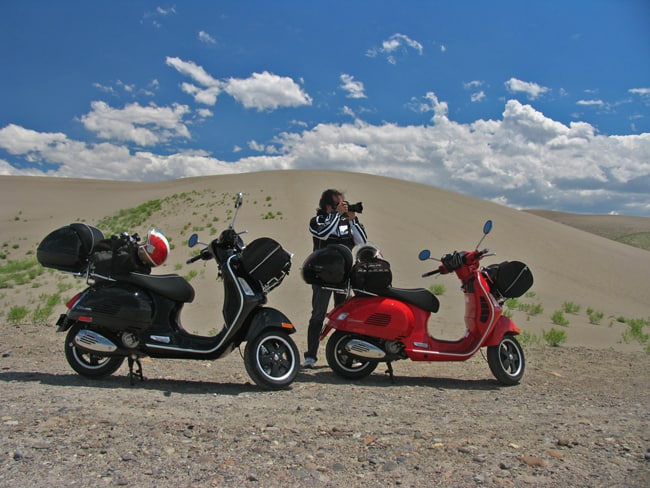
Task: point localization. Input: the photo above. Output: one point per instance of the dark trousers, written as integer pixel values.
(320, 300)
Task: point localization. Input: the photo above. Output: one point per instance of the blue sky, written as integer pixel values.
(532, 104)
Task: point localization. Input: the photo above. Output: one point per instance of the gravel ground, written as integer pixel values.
(580, 417)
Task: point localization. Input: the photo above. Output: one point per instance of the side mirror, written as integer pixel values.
(240, 199)
(487, 227)
(424, 255)
(193, 240)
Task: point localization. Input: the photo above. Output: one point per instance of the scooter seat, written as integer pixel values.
(171, 286)
(420, 297)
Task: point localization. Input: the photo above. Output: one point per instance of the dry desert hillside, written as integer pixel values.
(569, 264)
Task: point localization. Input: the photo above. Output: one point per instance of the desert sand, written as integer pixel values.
(569, 265)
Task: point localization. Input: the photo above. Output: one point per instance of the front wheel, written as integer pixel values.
(271, 360)
(506, 361)
(342, 362)
(88, 364)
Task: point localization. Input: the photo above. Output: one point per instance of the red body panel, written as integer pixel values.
(394, 320)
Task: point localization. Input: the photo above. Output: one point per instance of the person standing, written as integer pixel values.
(332, 224)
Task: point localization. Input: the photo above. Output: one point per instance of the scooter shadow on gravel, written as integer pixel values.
(324, 375)
(167, 386)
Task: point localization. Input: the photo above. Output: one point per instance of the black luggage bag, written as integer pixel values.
(266, 262)
(69, 247)
(510, 279)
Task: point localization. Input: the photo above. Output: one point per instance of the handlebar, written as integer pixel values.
(193, 259)
(468, 259)
(205, 254)
(430, 273)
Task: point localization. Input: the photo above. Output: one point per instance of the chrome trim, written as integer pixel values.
(364, 349)
(226, 336)
(92, 341)
(491, 300)
(158, 338)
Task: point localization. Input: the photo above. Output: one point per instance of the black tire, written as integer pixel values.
(506, 361)
(343, 363)
(272, 360)
(88, 364)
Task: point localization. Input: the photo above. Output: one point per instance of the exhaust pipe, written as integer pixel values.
(94, 342)
(364, 349)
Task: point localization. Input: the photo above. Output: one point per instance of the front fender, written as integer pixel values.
(503, 327)
(268, 318)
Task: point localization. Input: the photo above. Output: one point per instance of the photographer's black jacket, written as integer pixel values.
(334, 229)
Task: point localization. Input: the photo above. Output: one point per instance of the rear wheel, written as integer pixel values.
(506, 361)
(271, 360)
(88, 364)
(342, 362)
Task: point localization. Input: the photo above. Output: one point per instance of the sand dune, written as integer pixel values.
(401, 217)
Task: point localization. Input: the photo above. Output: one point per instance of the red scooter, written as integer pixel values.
(383, 324)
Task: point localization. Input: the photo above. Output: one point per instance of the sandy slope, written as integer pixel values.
(401, 217)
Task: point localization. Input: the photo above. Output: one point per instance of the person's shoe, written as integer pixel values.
(309, 363)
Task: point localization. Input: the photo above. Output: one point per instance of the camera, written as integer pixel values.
(355, 207)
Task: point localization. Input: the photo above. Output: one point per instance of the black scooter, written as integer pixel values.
(134, 315)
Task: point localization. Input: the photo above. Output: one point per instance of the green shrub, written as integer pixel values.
(558, 318)
(16, 314)
(570, 307)
(44, 310)
(192, 274)
(438, 289)
(535, 309)
(635, 331)
(594, 316)
(61, 287)
(511, 303)
(554, 337)
(528, 339)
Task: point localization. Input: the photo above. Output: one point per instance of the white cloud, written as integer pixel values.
(104, 88)
(524, 159)
(261, 91)
(204, 113)
(396, 44)
(193, 70)
(478, 96)
(158, 13)
(532, 90)
(206, 38)
(354, 88)
(144, 126)
(640, 91)
(397, 41)
(17, 140)
(471, 85)
(205, 96)
(266, 91)
(598, 103)
(166, 11)
(348, 111)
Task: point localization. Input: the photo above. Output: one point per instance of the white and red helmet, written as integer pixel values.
(155, 249)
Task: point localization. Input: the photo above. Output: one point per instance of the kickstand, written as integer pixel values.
(389, 372)
(138, 372)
